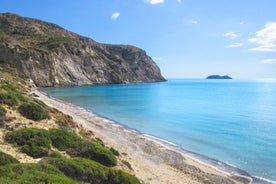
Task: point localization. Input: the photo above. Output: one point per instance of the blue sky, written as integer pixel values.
(186, 38)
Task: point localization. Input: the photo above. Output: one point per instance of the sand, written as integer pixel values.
(151, 161)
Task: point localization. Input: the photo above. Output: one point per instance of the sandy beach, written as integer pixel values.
(151, 160)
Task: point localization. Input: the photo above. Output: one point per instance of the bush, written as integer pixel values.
(2, 115)
(114, 151)
(6, 159)
(76, 147)
(64, 121)
(8, 99)
(118, 177)
(84, 170)
(11, 96)
(34, 142)
(62, 139)
(33, 111)
(55, 154)
(93, 150)
(32, 173)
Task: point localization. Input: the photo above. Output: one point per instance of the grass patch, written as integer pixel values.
(62, 139)
(9, 94)
(77, 147)
(8, 99)
(33, 111)
(2, 115)
(6, 159)
(32, 173)
(55, 154)
(34, 142)
(88, 171)
(93, 150)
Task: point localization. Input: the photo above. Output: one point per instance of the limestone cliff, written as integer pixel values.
(53, 56)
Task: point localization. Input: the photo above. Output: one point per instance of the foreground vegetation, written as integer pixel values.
(60, 170)
(67, 153)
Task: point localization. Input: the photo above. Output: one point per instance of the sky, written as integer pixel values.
(186, 38)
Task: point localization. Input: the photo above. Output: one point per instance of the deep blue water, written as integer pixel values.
(233, 121)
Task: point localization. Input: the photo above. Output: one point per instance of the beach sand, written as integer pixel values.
(151, 161)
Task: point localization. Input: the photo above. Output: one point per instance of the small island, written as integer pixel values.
(218, 77)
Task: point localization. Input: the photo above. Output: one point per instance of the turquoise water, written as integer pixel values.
(233, 121)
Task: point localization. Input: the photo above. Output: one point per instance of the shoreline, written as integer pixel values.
(154, 160)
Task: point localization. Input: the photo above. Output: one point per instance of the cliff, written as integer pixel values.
(53, 56)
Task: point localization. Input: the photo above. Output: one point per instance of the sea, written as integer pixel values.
(231, 121)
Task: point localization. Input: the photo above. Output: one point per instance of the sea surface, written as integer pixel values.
(233, 121)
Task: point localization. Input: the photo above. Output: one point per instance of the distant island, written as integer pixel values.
(218, 77)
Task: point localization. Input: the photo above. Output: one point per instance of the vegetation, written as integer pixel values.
(33, 111)
(34, 142)
(92, 167)
(62, 139)
(32, 173)
(114, 151)
(84, 170)
(64, 121)
(2, 115)
(93, 150)
(76, 147)
(6, 159)
(55, 154)
(8, 99)
(9, 95)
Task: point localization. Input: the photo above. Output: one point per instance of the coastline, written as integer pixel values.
(153, 160)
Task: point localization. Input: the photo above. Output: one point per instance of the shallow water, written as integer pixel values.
(233, 121)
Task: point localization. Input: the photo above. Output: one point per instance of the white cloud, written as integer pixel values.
(157, 58)
(193, 21)
(269, 61)
(265, 38)
(115, 15)
(179, 1)
(231, 35)
(242, 22)
(155, 1)
(235, 45)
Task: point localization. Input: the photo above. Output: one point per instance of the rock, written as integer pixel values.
(218, 77)
(53, 56)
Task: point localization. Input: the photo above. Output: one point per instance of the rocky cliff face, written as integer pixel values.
(53, 56)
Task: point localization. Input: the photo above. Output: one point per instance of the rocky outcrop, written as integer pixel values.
(218, 77)
(53, 56)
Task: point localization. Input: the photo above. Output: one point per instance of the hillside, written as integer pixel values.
(39, 144)
(53, 56)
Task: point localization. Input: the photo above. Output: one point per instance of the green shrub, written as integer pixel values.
(93, 150)
(64, 121)
(62, 139)
(32, 173)
(8, 99)
(118, 177)
(11, 96)
(55, 154)
(33, 111)
(114, 151)
(8, 87)
(34, 142)
(88, 171)
(2, 115)
(76, 147)
(6, 159)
